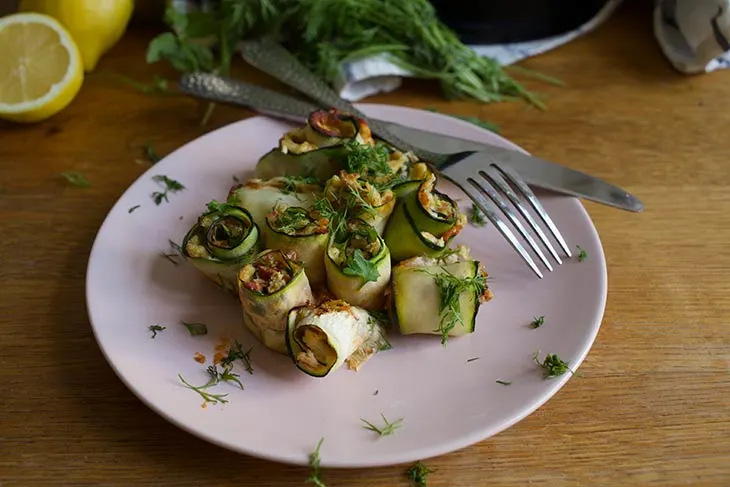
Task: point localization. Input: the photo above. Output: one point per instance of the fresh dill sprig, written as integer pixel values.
(537, 322)
(450, 289)
(291, 182)
(314, 460)
(224, 375)
(76, 179)
(386, 430)
(169, 186)
(236, 353)
(155, 329)
(476, 216)
(207, 396)
(552, 365)
(418, 473)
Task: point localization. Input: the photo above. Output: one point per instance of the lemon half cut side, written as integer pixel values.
(40, 67)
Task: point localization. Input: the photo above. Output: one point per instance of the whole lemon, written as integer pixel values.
(95, 25)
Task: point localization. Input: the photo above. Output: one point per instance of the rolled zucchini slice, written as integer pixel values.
(433, 211)
(302, 231)
(358, 265)
(315, 149)
(222, 240)
(439, 296)
(259, 196)
(321, 338)
(405, 240)
(268, 288)
(360, 199)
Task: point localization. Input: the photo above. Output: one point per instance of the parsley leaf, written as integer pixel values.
(357, 265)
(76, 179)
(195, 329)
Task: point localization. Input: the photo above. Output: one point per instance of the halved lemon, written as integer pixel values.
(40, 67)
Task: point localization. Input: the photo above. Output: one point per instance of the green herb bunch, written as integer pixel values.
(325, 33)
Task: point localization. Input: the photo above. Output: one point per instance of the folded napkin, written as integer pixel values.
(693, 34)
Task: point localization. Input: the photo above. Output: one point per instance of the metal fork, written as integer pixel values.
(485, 182)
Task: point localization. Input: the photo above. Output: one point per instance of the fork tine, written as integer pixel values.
(493, 174)
(489, 190)
(483, 204)
(512, 176)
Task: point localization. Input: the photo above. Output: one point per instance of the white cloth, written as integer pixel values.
(693, 34)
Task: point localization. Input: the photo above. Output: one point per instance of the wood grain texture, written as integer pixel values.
(652, 407)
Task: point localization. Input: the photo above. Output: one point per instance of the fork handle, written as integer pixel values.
(223, 89)
(273, 59)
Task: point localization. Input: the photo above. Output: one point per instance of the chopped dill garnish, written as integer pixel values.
(170, 186)
(537, 322)
(503, 382)
(130, 210)
(314, 460)
(155, 329)
(207, 396)
(418, 473)
(552, 365)
(236, 353)
(76, 179)
(476, 216)
(195, 329)
(582, 254)
(450, 289)
(386, 430)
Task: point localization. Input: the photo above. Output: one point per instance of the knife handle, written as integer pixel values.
(273, 59)
(227, 90)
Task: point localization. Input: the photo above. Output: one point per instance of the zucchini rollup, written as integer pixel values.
(355, 197)
(358, 265)
(260, 196)
(320, 339)
(315, 149)
(221, 241)
(293, 228)
(268, 288)
(424, 222)
(439, 296)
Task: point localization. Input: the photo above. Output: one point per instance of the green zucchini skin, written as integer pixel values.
(310, 250)
(405, 240)
(266, 314)
(416, 299)
(321, 163)
(222, 268)
(369, 295)
(326, 131)
(321, 339)
(260, 196)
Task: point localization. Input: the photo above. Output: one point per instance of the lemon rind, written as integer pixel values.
(66, 41)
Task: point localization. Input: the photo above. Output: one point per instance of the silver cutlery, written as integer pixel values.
(535, 171)
(486, 180)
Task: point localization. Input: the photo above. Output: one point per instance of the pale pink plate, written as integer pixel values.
(446, 401)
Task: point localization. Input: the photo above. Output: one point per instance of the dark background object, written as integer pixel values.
(503, 21)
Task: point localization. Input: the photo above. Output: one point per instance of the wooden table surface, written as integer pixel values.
(652, 407)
